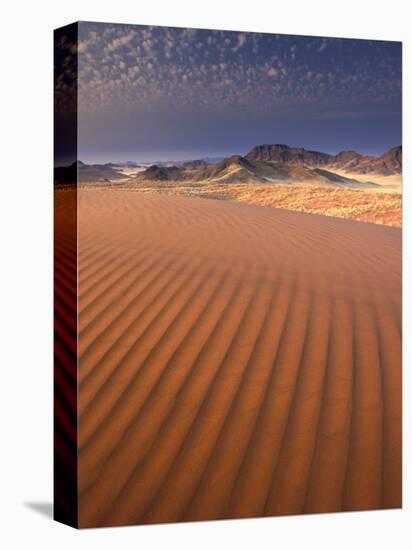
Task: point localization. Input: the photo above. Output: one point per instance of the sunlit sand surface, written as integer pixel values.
(234, 361)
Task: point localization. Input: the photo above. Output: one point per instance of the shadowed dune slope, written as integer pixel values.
(65, 356)
(234, 361)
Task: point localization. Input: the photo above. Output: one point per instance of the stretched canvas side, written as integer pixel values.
(65, 275)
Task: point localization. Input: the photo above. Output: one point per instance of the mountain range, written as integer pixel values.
(271, 163)
(389, 163)
(282, 164)
(237, 169)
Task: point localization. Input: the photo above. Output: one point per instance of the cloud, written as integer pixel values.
(323, 46)
(241, 41)
(153, 69)
(122, 40)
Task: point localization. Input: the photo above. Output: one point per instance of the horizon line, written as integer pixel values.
(112, 160)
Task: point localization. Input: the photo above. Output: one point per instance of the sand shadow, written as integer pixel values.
(43, 508)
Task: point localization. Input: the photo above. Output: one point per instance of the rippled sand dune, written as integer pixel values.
(234, 361)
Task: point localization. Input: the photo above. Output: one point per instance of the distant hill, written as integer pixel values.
(238, 169)
(283, 154)
(386, 165)
(231, 169)
(161, 173)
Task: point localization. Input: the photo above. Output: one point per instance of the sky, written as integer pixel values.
(161, 93)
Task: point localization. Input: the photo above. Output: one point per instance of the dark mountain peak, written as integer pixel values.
(390, 162)
(267, 149)
(225, 170)
(347, 155)
(394, 153)
(194, 164)
(234, 161)
(237, 159)
(161, 173)
(156, 172)
(283, 154)
(273, 146)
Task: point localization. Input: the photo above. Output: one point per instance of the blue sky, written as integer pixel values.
(159, 93)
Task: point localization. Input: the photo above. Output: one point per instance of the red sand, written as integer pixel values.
(234, 361)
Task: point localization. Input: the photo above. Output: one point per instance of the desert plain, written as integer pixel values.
(234, 360)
